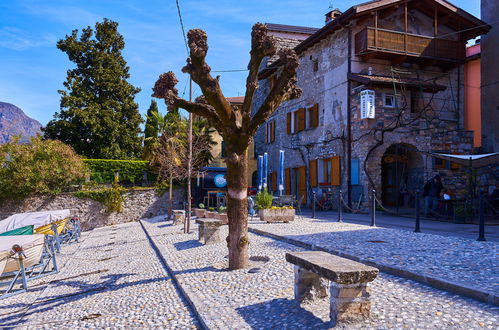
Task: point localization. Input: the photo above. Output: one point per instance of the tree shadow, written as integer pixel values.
(281, 314)
(51, 303)
(186, 245)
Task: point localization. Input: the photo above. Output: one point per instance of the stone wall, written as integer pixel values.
(137, 204)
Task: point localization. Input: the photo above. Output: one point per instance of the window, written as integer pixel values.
(389, 101)
(415, 102)
(329, 171)
(223, 152)
(270, 132)
(316, 65)
(297, 121)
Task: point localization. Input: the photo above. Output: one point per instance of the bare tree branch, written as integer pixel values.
(284, 89)
(199, 71)
(164, 88)
(262, 45)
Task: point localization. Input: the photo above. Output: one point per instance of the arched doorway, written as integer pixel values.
(402, 171)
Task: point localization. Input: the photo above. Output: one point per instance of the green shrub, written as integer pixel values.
(38, 167)
(222, 209)
(111, 198)
(263, 200)
(130, 171)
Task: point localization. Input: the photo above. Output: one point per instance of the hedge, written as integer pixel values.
(102, 170)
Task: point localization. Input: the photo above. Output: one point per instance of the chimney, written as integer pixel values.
(332, 15)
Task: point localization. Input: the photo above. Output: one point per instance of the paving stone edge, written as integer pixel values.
(434, 282)
(192, 301)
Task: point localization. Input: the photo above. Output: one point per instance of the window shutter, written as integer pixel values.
(302, 183)
(335, 171)
(301, 119)
(288, 123)
(272, 132)
(313, 173)
(316, 115)
(267, 133)
(287, 176)
(367, 104)
(274, 181)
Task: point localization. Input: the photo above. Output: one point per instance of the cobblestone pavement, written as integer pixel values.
(115, 280)
(459, 260)
(264, 299)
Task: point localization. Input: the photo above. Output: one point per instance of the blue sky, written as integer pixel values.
(32, 69)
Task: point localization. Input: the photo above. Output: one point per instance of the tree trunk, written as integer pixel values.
(237, 241)
(170, 199)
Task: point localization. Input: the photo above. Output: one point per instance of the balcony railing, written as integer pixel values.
(384, 41)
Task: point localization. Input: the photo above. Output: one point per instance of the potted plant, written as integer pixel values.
(200, 212)
(211, 213)
(222, 215)
(269, 213)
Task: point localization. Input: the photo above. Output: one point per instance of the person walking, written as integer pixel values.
(431, 194)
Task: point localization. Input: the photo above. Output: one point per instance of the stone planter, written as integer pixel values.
(211, 215)
(281, 215)
(223, 217)
(200, 213)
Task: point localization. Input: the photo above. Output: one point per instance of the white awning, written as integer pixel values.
(470, 160)
(37, 219)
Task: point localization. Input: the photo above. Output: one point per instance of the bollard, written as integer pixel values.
(313, 204)
(417, 229)
(373, 209)
(340, 208)
(481, 218)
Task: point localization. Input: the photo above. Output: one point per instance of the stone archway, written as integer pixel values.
(402, 172)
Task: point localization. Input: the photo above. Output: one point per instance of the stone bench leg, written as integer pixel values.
(211, 235)
(201, 233)
(309, 286)
(349, 303)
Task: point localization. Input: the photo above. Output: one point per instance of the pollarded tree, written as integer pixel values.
(236, 125)
(99, 117)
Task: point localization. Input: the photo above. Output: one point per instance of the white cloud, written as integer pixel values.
(17, 39)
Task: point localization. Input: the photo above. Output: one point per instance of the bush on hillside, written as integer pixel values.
(38, 167)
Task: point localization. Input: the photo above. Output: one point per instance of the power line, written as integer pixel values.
(182, 25)
(241, 70)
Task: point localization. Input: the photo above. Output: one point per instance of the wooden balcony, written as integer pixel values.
(387, 44)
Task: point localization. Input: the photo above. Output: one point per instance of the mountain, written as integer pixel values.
(13, 121)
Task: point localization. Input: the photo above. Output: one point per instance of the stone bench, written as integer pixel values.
(178, 216)
(318, 272)
(209, 231)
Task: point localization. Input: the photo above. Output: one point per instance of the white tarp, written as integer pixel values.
(32, 246)
(37, 219)
(470, 160)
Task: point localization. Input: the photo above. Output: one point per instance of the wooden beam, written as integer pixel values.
(376, 28)
(399, 59)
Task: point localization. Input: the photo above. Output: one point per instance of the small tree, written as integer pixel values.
(99, 117)
(170, 155)
(236, 125)
(39, 167)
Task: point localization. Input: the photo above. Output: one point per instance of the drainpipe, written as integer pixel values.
(461, 118)
(349, 122)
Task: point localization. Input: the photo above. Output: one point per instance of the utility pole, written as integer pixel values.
(187, 225)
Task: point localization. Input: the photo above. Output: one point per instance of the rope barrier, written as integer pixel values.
(358, 211)
(491, 206)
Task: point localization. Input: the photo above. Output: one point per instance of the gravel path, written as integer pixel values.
(114, 280)
(459, 260)
(264, 299)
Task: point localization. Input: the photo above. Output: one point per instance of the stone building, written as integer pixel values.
(382, 86)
